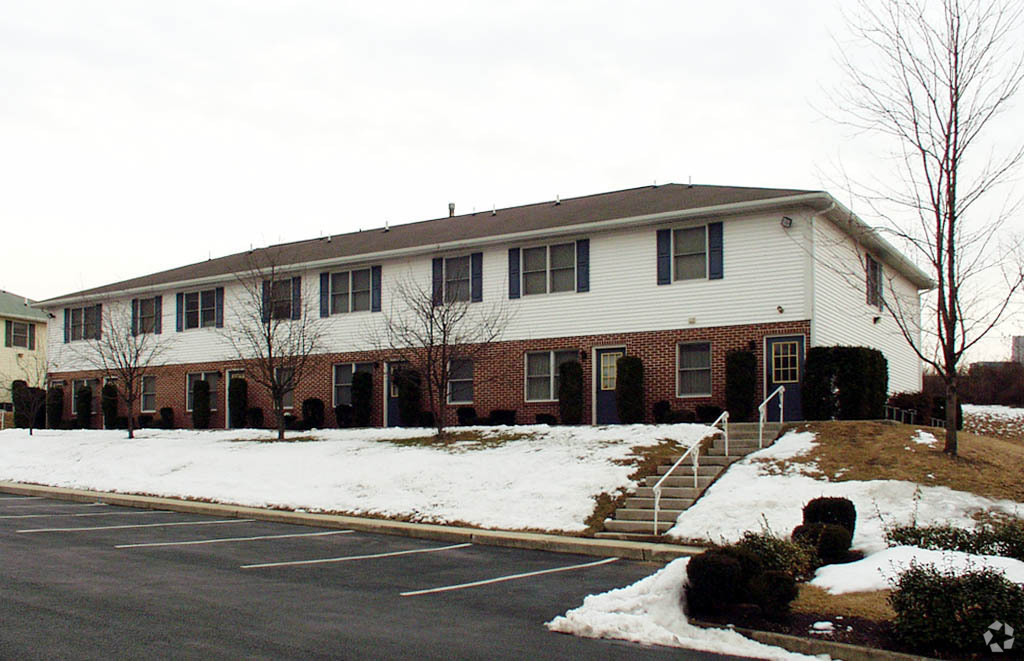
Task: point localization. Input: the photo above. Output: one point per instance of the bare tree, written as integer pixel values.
(440, 335)
(128, 344)
(930, 80)
(33, 370)
(275, 332)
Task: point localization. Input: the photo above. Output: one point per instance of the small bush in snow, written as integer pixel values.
(830, 542)
(708, 413)
(1002, 537)
(944, 611)
(839, 511)
(714, 581)
(167, 418)
(773, 591)
(779, 554)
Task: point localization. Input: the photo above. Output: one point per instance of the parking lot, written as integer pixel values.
(89, 580)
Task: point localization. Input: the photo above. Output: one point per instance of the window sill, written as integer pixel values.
(698, 396)
(540, 401)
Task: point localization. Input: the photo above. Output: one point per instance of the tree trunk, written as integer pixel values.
(952, 420)
(279, 417)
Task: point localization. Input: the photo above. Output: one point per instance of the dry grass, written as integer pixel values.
(466, 440)
(885, 451)
(869, 605)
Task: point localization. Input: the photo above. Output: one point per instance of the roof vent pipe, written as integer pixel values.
(494, 209)
(451, 209)
(558, 199)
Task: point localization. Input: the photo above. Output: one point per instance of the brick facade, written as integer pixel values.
(499, 379)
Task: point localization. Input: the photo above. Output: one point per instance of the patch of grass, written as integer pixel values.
(460, 441)
(861, 450)
(287, 439)
(869, 605)
(605, 506)
(647, 458)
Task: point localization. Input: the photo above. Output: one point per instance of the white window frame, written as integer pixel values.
(672, 252)
(214, 395)
(286, 283)
(468, 279)
(552, 373)
(140, 327)
(548, 273)
(709, 369)
(334, 378)
(200, 308)
(452, 381)
(143, 394)
(349, 297)
(83, 324)
(14, 333)
(875, 275)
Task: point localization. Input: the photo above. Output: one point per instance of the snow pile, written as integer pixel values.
(751, 493)
(921, 437)
(650, 611)
(994, 420)
(547, 480)
(879, 570)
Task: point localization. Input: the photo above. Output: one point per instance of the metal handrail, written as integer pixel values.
(693, 450)
(762, 409)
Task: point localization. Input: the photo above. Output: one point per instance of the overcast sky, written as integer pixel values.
(140, 136)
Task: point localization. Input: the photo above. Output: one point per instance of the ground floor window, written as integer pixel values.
(78, 384)
(213, 378)
(148, 400)
(694, 370)
(284, 377)
(460, 382)
(542, 373)
(343, 373)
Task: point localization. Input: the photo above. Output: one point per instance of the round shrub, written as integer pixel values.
(773, 591)
(313, 413)
(167, 418)
(941, 612)
(839, 511)
(750, 568)
(546, 419)
(343, 416)
(778, 554)
(714, 582)
(662, 411)
(829, 541)
(254, 417)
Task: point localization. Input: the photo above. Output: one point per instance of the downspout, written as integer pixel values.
(814, 266)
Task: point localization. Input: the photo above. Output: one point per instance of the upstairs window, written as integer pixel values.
(350, 291)
(281, 299)
(201, 309)
(549, 269)
(456, 279)
(689, 253)
(20, 334)
(146, 314)
(82, 323)
(875, 281)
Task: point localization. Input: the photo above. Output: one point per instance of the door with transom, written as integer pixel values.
(784, 366)
(605, 363)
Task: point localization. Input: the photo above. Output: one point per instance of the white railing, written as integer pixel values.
(763, 411)
(694, 453)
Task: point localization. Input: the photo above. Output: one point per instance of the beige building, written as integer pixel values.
(23, 352)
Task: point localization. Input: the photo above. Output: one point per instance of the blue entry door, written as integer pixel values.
(394, 415)
(784, 366)
(605, 363)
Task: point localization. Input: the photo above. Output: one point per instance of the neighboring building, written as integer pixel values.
(677, 275)
(23, 353)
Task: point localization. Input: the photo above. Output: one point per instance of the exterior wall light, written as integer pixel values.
(786, 222)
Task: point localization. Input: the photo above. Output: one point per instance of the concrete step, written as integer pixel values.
(687, 469)
(774, 427)
(670, 492)
(630, 536)
(716, 460)
(734, 452)
(677, 480)
(635, 502)
(642, 527)
(630, 514)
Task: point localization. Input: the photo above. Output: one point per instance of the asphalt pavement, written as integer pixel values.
(93, 580)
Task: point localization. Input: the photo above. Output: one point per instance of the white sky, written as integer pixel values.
(140, 136)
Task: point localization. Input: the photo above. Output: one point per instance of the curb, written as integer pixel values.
(642, 551)
(814, 647)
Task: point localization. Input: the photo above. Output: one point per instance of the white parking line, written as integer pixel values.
(38, 516)
(141, 525)
(510, 577)
(47, 504)
(233, 539)
(354, 557)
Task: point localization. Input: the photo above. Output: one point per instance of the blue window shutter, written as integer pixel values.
(179, 312)
(513, 272)
(135, 316)
(8, 333)
(583, 265)
(158, 308)
(31, 337)
(325, 294)
(218, 303)
(375, 289)
(715, 261)
(99, 321)
(266, 301)
(297, 297)
(437, 280)
(664, 257)
(476, 277)
(67, 325)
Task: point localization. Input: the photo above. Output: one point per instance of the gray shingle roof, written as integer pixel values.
(484, 224)
(13, 306)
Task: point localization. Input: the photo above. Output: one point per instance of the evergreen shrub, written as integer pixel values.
(55, 408)
(238, 401)
(740, 385)
(313, 413)
(570, 393)
(362, 398)
(839, 511)
(201, 405)
(409, 395)
(167, 417)
(629, 390)
(83, 407)
(343, 415)
(108, 405)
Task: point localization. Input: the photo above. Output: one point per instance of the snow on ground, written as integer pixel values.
(547, 481)
(878, 570)
(748, 495)
(922, 437)
(994, 420)
(650, 611)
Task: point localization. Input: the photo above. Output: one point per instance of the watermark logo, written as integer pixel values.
(993, 641)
